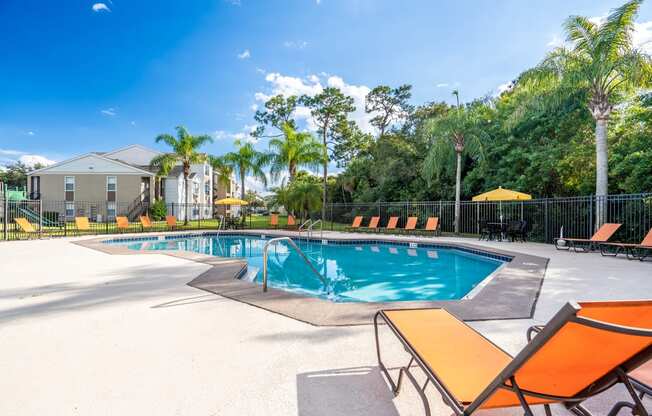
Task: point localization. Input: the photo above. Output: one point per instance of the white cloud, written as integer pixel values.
(556, 41)
(109, 112)
(298, 44)
(234, 2)
(8, 156)
(100, 7)
(313, 85)
(253, 107)
(318, 2)
(30, 133)
(244, 54)
(260, 70)
(133, 123)
(442, 85)
(32, 160)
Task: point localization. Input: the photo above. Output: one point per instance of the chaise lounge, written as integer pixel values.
(632, 251)
(583, 350)
(584, 245)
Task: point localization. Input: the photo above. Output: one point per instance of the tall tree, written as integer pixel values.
(294, 150)
(246, 160)
(329, 110)
(452, 136)
(389, 104)
(602, 60)
(350, 142)
(185, 151)
(279, 112)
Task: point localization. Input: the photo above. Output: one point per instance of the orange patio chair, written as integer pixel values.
(145, 222)
(585, 349)
(273, 220)
(292, 223)
(603, 234)
(357, 221)
(171, 221)
(373, 224)
(411, 224)
(391, 224)
(432, 225)
(82, 224)
(632, 251)
(122, 223)
(26, 227)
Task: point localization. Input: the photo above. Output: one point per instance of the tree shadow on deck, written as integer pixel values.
(345, 391)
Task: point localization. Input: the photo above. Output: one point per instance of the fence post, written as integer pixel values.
(5, 215)
(545, 220)
(477, 217)
(40, 217)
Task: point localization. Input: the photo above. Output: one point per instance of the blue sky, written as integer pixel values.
(80, 76)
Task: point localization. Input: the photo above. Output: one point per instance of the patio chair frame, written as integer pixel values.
(568, 313)
(586, 245)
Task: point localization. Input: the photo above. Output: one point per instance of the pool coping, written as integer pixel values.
(512, 293)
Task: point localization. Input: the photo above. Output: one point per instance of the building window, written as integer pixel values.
(70, 209)
(207, 188)
(69, 188)
(195, 188)
(110, 210)
(207, 170)
(111, 188)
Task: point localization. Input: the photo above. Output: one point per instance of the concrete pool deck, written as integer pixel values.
(88, 333)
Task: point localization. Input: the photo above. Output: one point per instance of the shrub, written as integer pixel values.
(158, 210)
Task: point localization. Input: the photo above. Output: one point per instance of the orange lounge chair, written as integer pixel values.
(25, 226)
(432, 225)
(82, 224)
(357, 221)
(391, 224)
(171, 221)
(585, 349)
(292, 223)
(122, 223)
(641, 380)
(373, 224)
(145, 222)
(632, 251)
(273, 220)
(411, 224)
(585, 245)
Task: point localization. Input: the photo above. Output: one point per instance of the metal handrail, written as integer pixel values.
(298, 250)
(308, 222)
(221, 227)
(321, 228)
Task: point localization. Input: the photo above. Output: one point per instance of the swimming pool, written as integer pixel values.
(354, 271)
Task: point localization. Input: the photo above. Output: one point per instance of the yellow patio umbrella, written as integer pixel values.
(501, 194)
(231, 201)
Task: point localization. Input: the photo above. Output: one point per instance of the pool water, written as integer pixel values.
(360, 272)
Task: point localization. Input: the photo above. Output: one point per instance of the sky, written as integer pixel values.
(81, 76)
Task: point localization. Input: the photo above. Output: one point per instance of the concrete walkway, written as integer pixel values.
(83, 332)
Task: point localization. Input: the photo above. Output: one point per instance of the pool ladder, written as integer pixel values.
(309, 226)
(298, 250)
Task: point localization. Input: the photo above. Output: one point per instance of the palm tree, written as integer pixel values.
(185, 152)
(453, 136)
(601, 60)
(305, 196)
(247, 160)
(222, 169)
(294, 150)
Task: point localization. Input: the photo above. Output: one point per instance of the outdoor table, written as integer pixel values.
(498, 229)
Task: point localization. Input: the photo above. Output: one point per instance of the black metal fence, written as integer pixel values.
(544, 217)
(57, 218)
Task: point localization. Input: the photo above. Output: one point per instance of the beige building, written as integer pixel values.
(101, 185)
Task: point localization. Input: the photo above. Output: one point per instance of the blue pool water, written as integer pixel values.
(360, 272)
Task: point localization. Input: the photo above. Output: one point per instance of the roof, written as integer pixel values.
(95, 155)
